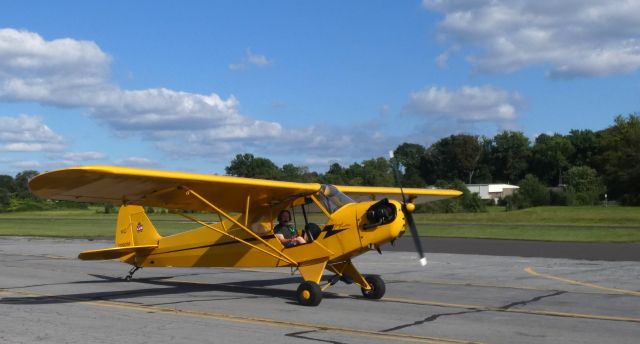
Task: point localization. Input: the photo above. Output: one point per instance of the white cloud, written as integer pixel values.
(79, 156)
(181, 124)
(442, 60)
(32, 69)
(70, 73)
(83, 156)
(575, 38)
(250, 59)
(26, 164)
(137, 162)
(28, 134)
(75, 158)
(163, 109)
(257, 59)
(468, 104)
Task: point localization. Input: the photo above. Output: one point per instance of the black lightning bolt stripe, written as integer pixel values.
(330, 231)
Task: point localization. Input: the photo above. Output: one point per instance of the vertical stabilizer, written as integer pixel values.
(134, 228)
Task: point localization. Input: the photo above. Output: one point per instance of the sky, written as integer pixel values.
(187, 85)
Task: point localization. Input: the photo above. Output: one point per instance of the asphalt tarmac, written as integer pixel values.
(48, 296)
(523, 248)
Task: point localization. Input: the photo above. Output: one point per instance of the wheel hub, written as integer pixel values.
(306, 294)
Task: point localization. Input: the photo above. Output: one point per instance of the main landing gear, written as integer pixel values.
(377, 287)
(309, 292)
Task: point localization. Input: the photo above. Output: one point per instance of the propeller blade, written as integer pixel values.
(414, 233)
(407, 214)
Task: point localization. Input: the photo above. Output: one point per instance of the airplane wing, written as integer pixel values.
(414, 195)
(165, 189)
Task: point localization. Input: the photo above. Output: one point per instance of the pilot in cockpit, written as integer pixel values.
(287, 232)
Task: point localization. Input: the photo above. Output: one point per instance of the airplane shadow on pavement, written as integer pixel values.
(163, 286)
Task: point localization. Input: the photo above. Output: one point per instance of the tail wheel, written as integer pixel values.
(309, 293)
(377, 287)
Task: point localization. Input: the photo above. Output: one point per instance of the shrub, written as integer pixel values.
(467, 202)
(584, 186)
(5, 200)
(532, 193)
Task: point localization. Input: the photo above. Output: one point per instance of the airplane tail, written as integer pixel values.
(135, 234)
(134, 228)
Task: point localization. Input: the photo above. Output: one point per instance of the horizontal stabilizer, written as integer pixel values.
(115, 252)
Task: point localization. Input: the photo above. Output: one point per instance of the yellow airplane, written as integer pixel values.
(247, 210)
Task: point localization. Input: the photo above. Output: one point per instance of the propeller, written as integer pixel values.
(407, 210)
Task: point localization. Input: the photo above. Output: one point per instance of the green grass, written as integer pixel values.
(596, 215)
(582, 224)
(82, 223)
(551, 233)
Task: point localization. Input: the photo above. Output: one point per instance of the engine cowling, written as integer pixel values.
(380, 213)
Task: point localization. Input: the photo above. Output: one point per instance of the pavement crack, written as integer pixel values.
(430, 319)
(535, 299)
(434, 317)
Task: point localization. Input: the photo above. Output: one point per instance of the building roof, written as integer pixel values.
(495, 187)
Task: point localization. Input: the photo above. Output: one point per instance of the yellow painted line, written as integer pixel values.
(47, 256)
(477, 307)
(530, 271)
(247, 319)
(574, 315)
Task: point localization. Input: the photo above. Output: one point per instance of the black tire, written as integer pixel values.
(309, 293)
(377, 287)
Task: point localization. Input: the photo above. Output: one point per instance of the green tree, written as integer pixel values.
(292, 173)
(533, 192)
(354, 174)
(5, 200)
(510, 153)
(620, 159)
(451, 158)
(377, 172)
(551, 157)
(585, 144)
(335, 175)
(247, 165)
(22, 184)
(7, 183)
(484, 173)
(409, 156)
(584, 187)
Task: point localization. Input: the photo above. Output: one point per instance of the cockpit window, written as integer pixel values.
(332, 199)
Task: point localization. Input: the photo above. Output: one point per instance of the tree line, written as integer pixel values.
(574, 169)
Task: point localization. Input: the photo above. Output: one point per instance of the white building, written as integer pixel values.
(494, 192)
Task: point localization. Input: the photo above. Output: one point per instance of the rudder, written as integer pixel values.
(134, 228)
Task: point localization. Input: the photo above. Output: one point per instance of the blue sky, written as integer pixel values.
(188, 85)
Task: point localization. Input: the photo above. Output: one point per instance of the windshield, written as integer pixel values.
(332, 199)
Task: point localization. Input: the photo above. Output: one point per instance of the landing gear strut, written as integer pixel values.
(131, 272)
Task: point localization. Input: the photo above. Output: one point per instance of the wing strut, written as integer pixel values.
(280, 255)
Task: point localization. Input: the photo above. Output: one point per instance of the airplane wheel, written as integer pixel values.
(309, 293)
(377, 285)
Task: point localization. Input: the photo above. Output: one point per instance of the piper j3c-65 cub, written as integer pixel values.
(247, 210)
